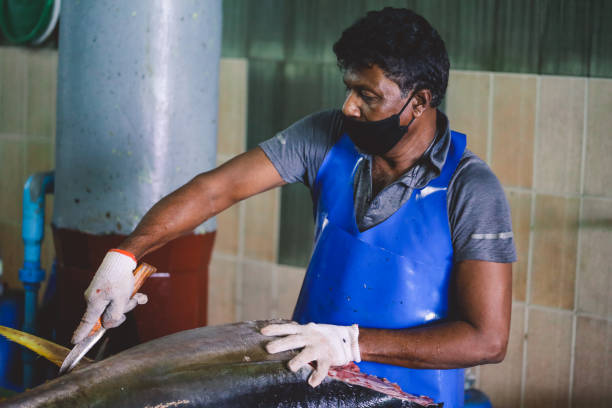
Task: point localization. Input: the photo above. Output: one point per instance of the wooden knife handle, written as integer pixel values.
(141, 274)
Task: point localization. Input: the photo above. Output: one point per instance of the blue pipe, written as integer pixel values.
(33, 231)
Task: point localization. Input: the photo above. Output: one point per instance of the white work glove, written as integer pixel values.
(326, 344)
(109, 292)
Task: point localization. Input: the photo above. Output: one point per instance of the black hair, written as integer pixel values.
(403, 44)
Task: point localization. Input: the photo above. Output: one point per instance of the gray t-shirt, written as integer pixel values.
(479, 215)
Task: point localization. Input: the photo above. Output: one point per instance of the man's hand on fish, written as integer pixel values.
(109, 292)
(326, 344)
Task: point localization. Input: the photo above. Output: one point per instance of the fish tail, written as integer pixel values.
(44, 348)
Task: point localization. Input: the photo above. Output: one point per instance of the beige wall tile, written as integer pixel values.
(598, 166)
(502, 382)
(12, 180)
(11, 251)
(520, 206)
(467, 107)
(560, 129)
(14, 87)
(595, 279)
(554, 251)
(290, 281)
(233, 86)
(39, 157)
(548, 359)
(258, 293)
(42, 78)
(228, 230)
(592, 364)
(261, 226)
(514, 99)
(222, 291)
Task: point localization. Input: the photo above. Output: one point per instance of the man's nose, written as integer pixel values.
(350, 107)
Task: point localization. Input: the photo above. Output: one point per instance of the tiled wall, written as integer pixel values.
(27, 138)
(547, 138)
(246, 282)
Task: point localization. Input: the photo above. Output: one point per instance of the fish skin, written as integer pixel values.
(215, 366)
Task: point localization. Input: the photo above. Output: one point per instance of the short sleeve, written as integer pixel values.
(298, 151)
(479, 214)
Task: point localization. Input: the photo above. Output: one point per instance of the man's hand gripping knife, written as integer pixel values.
(326, 344)
(109, 292)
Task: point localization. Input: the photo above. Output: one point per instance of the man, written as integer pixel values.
(411, 268)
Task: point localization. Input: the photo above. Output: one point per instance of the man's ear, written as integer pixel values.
(422, 100)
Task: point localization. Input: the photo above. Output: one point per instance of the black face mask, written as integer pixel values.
(376, 137)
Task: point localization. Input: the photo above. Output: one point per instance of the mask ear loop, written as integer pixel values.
(406, 104)
(400, 112)
(408, 101)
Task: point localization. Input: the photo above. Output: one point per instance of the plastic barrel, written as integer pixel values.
(11, 315)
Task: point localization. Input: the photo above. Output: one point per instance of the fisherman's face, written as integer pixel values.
(371, 96)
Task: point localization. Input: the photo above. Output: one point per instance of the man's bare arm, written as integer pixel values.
(479, 334)
(204, 196)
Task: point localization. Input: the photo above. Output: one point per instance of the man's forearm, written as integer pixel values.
(203, 197)
(478, 335)
(453, 344)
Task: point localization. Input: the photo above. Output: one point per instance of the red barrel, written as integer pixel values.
(177, 291)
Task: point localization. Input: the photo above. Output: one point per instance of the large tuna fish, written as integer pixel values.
(216, 366)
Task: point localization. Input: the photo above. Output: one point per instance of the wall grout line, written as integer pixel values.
(277, 221)
(239, 259)
(490, 122)
(9, 136)
(238, 291)
(525, 190)
(258, 262)
(224, 256)
(579, 243)
(584, 137)
(594, 316)
(531, 245)
(241, 220)
(276, 242)
(551, 309)
(273, 312)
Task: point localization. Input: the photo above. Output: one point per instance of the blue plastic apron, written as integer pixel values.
(394, 275)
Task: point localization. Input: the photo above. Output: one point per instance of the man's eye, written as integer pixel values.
(366, 97)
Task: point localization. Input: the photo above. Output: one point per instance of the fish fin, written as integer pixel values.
(45, 348)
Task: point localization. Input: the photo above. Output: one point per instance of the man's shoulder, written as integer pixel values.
(325, 124)
(298, 151)
(478, 208)
(474, 173)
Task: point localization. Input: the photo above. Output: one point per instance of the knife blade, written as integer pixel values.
(141, 273)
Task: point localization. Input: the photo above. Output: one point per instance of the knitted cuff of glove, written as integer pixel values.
(124, 252)
(354, 335)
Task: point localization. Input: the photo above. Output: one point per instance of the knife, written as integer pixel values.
(141, 274)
